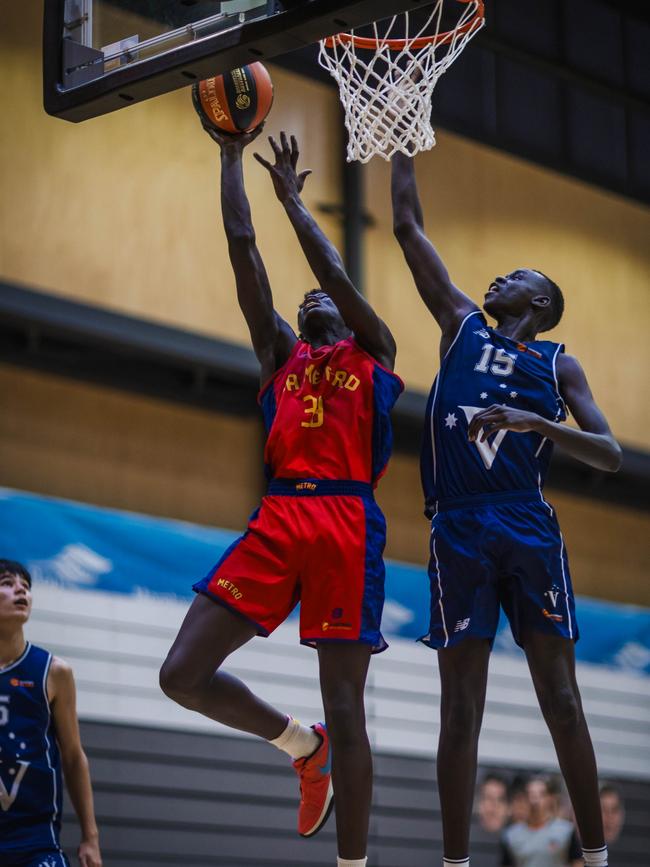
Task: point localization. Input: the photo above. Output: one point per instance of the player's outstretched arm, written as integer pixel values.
(445, 301)
(593, 444)
(272, 337)
(323, 257)
(63, 700)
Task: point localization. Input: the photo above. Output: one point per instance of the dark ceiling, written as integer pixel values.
(564, 83)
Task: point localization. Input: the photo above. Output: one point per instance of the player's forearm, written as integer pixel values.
(253, 289)
(598, 450)
(235, 208)
(407, 211)
(77, 779)
(431, 277)
(322, 256)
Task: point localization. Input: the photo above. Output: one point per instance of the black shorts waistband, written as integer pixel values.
(319, 488)
(473, 501)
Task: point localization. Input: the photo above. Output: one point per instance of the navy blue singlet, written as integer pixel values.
(30, 768)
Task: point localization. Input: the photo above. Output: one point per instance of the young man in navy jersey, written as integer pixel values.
(494, 413)
(39, 736)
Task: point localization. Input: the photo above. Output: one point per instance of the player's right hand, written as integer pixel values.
(225, 140)
(89, 854)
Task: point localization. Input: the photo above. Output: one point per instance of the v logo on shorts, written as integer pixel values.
(7, 798)
(488, 449)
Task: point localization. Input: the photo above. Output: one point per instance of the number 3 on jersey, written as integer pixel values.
(314, 410)
(496, 361)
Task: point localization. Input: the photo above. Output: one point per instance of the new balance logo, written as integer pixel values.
(461, 625)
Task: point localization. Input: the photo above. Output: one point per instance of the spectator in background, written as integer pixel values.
(541, 840)
(559, 802)
(492, 803)
(518, 799)
(613, 809)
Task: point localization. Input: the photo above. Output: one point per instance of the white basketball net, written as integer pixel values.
(386, 89)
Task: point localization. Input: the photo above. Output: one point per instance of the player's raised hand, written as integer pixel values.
(225, 140)
(497, 417)
(89, 855)
(284, 174)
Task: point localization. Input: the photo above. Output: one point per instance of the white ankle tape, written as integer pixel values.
(595, 857)
(455, 862)
(345, 862)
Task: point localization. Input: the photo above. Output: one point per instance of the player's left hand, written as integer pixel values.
(497, 417)
(89, 854)
(284, 174)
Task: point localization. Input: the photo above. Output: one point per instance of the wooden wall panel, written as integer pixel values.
(110, 448)
(123, 210)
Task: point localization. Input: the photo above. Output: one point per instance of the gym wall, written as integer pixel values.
(123, 211)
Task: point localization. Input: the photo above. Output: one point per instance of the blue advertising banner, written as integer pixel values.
(91, 548)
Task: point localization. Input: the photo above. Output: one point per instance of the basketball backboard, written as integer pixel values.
(103, 55)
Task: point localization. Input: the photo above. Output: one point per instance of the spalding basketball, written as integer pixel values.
(237, 101)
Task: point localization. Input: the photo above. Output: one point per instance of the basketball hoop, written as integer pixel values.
(386, 84)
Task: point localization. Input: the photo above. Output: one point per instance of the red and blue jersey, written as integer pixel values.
(327, 414)
(318, 536)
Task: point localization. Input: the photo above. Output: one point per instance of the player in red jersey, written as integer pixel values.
(318, 535)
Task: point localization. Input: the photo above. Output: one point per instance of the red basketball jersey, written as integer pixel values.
(327, 414)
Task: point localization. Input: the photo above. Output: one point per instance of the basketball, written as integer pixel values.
(237, 101)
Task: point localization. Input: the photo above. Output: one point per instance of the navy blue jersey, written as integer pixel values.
(30, 768)
(482, 367)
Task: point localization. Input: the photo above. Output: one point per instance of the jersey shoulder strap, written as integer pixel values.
(473, 323)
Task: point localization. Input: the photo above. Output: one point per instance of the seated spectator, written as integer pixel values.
(518, 799)
(541, 840)
(492, 803)
(560, 804)
(613, 809)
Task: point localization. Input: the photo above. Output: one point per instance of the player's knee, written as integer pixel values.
(176, 683)
(562, 708)
(461, 719)
(345, 721)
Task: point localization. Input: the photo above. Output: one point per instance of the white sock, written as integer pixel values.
(595, 857)
(297, 740)
(455, 862)
(345, 862)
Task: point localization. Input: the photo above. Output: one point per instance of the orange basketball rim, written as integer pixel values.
(371, 43)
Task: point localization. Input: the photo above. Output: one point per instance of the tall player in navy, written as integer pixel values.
(39, 736)
(494, 413)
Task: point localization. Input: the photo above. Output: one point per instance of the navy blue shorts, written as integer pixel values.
(499, 551)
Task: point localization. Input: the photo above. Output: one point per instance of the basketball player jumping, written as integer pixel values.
(39, 735)
(493, 415)
(318, 536)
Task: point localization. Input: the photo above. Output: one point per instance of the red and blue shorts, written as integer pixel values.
(313, 541)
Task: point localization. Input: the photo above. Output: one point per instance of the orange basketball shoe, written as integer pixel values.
(316, 793)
